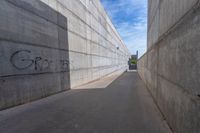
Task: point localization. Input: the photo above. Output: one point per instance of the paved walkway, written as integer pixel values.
(124, 106)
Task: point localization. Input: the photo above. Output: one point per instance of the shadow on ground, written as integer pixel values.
(122, 107)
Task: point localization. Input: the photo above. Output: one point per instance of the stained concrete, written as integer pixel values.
(124, 106)
(170, 68)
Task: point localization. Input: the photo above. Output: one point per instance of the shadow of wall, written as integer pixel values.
(34, 57)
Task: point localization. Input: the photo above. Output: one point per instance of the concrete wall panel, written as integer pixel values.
(79, 43)
(154, 28)
(170, 68)
(34, 56)
(23, 26)
(179, 50)
(25, 59)
(153, 8)
(16, 90)
(171, 12)
(54, 45)
(181, 110)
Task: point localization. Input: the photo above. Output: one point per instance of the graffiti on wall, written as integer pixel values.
(25, 59)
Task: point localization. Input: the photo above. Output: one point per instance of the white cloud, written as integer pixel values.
(130, 18)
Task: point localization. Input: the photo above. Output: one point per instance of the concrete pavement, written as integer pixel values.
(124, 106)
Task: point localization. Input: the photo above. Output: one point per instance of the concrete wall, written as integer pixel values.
(49, 46)
(171, 67)
(93, 40)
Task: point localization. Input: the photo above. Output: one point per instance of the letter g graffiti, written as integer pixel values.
(21, 59)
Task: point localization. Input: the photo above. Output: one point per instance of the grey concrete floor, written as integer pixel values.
(125, 106)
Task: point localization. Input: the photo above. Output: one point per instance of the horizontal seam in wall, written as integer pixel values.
(93, 42)
(32, 74)
(87, 24)
(192, 96)
(59, 25)
(116, 34)
(42, 73)
(40, 16)
(36, 45)
(68, 29)
(93, 15)
(114, 31)
(171, 29)
(99, 67)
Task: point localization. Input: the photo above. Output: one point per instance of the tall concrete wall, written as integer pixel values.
(171, 66)
(93, 40)
(49, 46)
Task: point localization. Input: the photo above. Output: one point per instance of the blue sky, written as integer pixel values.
(130, 19)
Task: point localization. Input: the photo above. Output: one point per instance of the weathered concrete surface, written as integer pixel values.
(93, 41)
(48, 46)
(170, 68)
(123, 107)
(33, 52)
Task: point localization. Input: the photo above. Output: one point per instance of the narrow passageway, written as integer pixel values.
(125, 106)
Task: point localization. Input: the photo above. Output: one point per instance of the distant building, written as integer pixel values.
(133, 61)
(135, 56)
